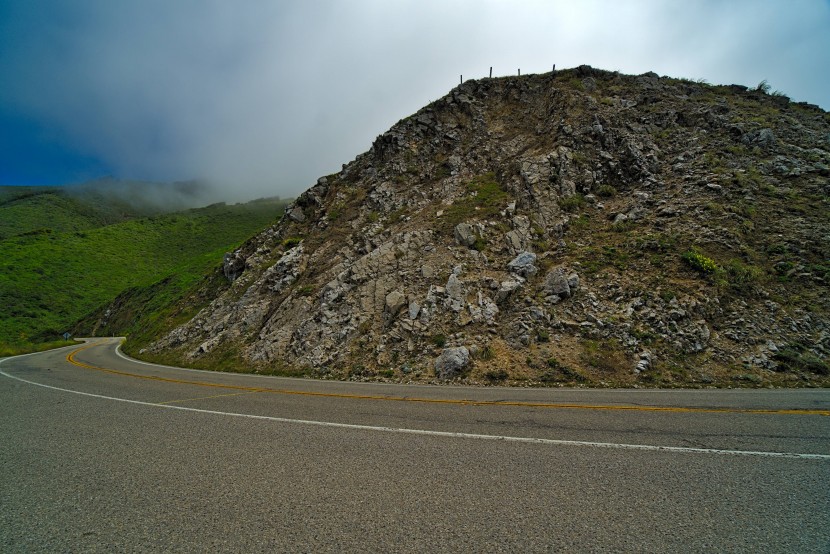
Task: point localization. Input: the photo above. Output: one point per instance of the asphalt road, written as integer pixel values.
(103, 454)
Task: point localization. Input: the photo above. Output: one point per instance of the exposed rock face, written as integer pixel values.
(296, 214)
(233, 265)
(559, 227)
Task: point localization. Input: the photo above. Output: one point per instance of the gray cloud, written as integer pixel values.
(267, 96)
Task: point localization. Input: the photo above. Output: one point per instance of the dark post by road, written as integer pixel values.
(491, 71)
(520, 72)
(461, 79)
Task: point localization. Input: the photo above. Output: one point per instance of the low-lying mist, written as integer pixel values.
(153, 197)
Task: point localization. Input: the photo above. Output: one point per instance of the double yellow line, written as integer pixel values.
(462, 402)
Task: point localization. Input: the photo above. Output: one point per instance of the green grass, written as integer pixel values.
(146, 312)
(35, 209)
(50, 280)
(25, 348)
(572, 203)
(605, 355)
(797, 358)
(700, 262)
(484, 197)
(734, 276)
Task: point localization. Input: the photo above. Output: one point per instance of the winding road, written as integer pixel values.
(101, 453)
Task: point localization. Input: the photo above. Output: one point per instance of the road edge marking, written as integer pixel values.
(445, 434)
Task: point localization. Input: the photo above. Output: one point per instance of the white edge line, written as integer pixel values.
(448, 434)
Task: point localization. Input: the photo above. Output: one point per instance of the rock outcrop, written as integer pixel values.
(582, 226)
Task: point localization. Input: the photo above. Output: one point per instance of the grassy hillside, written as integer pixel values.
(29, 209)
(93, 204)
(50, 277)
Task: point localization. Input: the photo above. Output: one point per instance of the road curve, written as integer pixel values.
(104, 453)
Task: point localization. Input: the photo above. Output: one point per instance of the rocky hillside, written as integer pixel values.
(581, 226)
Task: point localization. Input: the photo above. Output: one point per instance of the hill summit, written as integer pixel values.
(581, 226)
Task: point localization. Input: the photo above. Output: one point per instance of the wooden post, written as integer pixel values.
(554, 68)
(461, 79)
(520, 72)
(491, 71)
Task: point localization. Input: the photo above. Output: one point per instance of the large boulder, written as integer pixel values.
(395, 301)
(764, 138)
(506, 288)
(452, 362)
(465, 235)
(560, 282)
(556, 283)
(523, 264)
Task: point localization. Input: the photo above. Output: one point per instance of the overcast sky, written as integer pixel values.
(266, 96)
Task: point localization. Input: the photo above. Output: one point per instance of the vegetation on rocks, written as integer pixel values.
(701, 263)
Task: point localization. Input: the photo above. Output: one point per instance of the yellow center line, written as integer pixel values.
(462, 402)
(206, 397)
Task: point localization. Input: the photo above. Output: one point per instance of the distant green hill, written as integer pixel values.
(92, 204)
(29, 209)
(69, 262)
